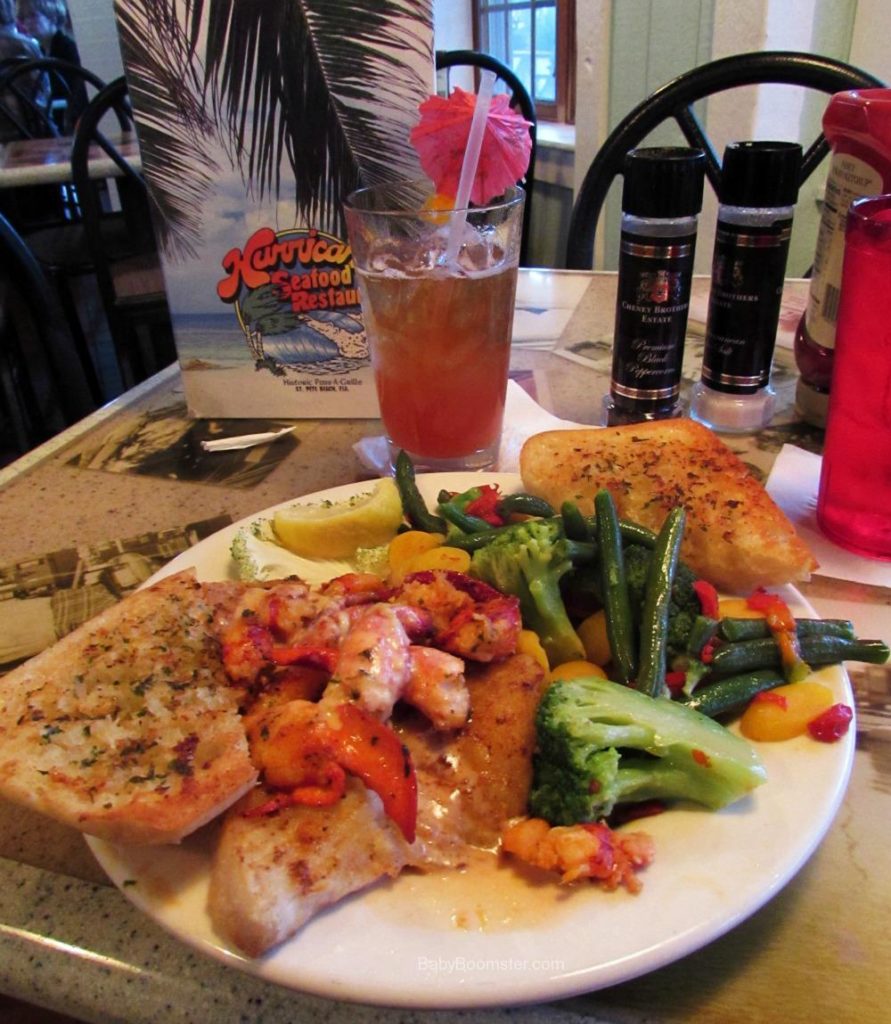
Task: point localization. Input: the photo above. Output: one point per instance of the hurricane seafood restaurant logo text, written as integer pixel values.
(323, 280)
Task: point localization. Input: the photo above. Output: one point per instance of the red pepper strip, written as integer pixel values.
(371, 750)
(305, 654)
(707, 654)
(675, 681)
(760, 600)
(831, 724)
(484, 506)
(708, 598)
(781, 623)
(771, 697)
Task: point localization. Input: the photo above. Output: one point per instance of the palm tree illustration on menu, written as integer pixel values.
(255, 119)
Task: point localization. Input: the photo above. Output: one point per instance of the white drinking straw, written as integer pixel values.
(471, 161)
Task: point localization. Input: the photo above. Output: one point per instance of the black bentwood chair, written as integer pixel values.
(122, 245)
(520, 100)
(49, 217)
(43, 386)
(675, 100)
(71, 84)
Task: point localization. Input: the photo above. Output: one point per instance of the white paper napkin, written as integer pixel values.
(523, 417)
(793, 485)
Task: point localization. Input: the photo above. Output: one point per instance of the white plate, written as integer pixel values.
(487, 937)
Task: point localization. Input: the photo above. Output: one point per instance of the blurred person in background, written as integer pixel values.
(49, 22)
(15, 44)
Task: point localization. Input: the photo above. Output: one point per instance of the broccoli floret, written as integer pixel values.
(600, 744)
(684, 606)
(529, 560)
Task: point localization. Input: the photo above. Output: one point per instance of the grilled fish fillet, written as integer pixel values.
(127, 728)
(472, 781)
(271, 874)
(736, 536)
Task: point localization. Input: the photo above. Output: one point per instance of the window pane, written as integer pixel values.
(495, 40)
(521, 45)
(545, 87)
(523, 34)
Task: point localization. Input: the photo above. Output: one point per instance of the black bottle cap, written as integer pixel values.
(760, 175)
(663, 181)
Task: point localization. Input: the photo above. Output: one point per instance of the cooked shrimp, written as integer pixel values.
(591, 850)
(373, 662)
(436, 686)
(487, 631)
(285, 742)
(470, 618)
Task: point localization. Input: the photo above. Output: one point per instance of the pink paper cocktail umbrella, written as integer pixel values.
(440, 139)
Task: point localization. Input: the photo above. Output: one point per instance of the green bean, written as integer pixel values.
(733, 692)
(575, 526)
(413, 504)
(634, 533)
(524, 504)
(702, 630)
(619, 622)
(463, 520)
(580, 552)
(753, 629)
(657, 597)
(748, 655)
(479, 539)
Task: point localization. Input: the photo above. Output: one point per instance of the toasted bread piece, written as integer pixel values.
(736, 536)
(127, 728)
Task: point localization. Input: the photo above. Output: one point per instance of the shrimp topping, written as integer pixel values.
(373, 664)
(591, 850)
(322, 669)
(436, 686)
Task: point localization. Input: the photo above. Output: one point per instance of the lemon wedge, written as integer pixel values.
(336, 529)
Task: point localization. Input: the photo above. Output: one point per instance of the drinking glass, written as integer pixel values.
(437, 288)
(854, 502)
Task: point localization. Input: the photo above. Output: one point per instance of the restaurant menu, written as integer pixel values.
(255, 121)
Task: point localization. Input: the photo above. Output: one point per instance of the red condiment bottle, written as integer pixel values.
(857, 125)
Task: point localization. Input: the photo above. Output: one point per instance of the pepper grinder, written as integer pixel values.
(661, 200)
(759, 187)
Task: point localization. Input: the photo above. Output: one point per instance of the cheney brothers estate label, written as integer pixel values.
(651, 319)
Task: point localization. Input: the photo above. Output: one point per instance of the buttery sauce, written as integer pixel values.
(486, 894)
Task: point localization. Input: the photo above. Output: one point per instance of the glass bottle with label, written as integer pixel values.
(857, 124)
(759, 186)
(661, 200)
